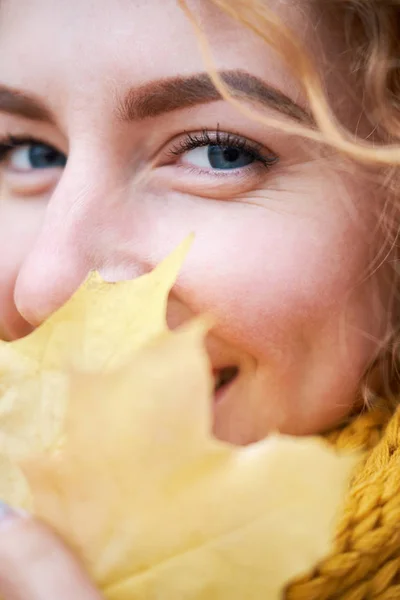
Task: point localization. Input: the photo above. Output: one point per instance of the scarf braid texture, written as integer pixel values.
(365, 561)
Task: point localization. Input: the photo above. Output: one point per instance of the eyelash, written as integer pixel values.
(223, 140)
(190, 142)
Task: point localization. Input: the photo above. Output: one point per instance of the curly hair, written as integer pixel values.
(370, 31)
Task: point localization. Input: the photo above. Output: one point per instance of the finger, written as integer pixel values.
(36, 565)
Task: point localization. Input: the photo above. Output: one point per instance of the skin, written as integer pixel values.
(280, 253)
(45, 568)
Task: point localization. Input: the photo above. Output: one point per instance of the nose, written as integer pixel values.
(49, 276)
(52, 270)
(65, 250)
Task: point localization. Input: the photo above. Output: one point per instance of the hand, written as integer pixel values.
(36, 565)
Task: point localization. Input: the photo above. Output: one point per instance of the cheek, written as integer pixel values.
(273, 277)
(268, 278)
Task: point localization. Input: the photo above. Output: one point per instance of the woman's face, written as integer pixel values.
(92, 93)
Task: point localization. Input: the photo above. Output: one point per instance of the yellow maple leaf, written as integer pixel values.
(130, 474)
(100, 326)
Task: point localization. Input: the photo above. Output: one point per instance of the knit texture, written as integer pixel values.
(365, 561)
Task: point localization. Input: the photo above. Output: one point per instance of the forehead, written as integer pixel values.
(73, 53)
(113, 36)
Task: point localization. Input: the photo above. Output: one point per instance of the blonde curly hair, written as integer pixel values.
(371, 36)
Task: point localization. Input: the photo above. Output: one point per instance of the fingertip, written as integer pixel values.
(35, 564)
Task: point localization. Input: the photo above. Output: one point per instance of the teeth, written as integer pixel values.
(224, 376)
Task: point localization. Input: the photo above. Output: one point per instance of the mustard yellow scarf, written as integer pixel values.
(365, 561)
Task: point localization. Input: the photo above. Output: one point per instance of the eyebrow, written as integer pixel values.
(19, 104)
(167, 95)
(164, 96)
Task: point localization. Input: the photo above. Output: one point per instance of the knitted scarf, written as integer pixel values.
(365, 561)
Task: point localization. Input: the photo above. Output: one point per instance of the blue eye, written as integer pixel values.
(24, 155)
(219, 158)
(224, 158)
(41, 156)
(219, 151)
